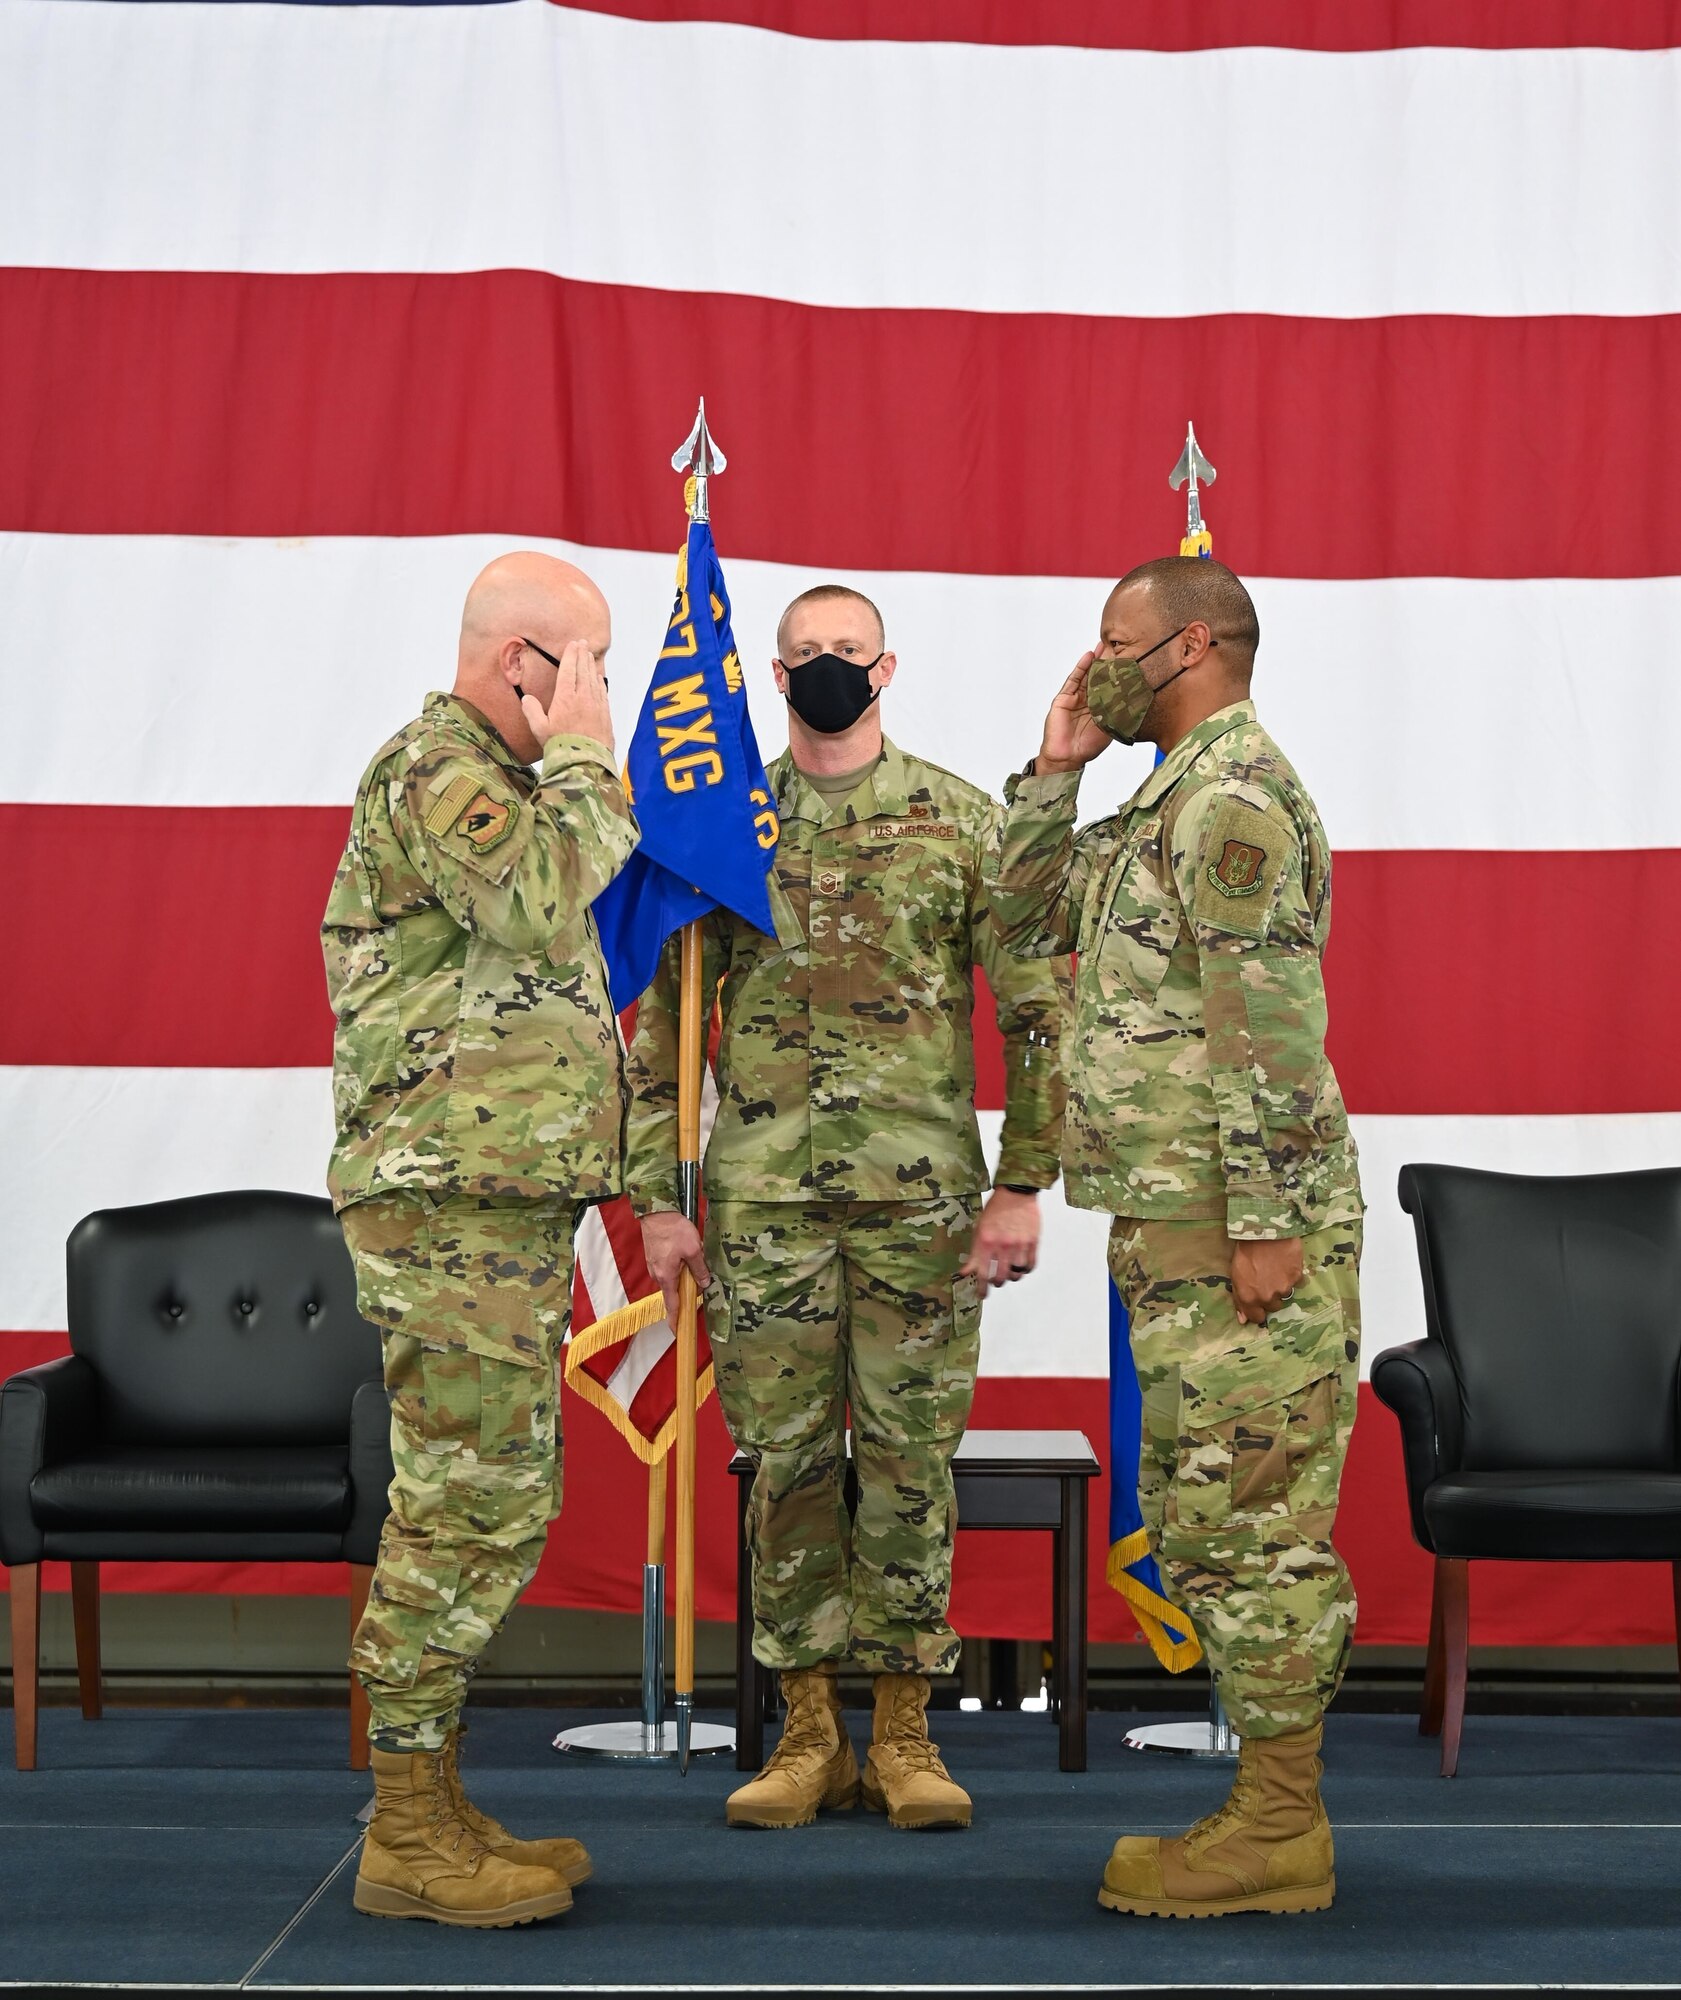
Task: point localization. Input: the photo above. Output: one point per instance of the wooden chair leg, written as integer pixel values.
(1675, 1574)
(26, 1659)
(1430, 1709)
(361, 1582)
(84, 1609)
(1455, 1578)
(1071, 1626)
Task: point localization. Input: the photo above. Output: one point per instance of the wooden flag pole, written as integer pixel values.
(688, 1188)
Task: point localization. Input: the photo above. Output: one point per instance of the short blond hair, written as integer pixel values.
(828, 593)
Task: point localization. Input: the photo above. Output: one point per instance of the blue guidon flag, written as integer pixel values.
(1132, 1567)
(697, 781)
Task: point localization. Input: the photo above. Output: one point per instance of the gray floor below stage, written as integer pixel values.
(218, 1848)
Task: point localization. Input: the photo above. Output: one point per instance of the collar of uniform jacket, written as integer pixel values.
(888, 785)
(462, 715)
(1185, 753)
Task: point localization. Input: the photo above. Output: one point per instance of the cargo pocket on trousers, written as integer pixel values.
(955, 1389)
(411, 1597)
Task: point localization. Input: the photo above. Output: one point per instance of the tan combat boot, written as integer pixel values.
(420, 1860)
(903, 1775)
(569, 1859)
(1267, 1848)
(811, 1766)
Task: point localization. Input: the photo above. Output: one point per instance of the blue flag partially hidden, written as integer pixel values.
(697, 781)
(1132, 1568)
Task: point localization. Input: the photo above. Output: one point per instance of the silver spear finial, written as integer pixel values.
(1193, 466)
(700, 457)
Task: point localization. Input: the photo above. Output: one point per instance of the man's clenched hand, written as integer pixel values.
(1263, 1276)
(1006, 1245)
(669, 1243)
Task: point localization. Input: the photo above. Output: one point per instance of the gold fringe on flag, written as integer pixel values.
(629, 1319)
(1154, 1614)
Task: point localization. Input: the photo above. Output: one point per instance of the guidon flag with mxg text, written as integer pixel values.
(294, 335)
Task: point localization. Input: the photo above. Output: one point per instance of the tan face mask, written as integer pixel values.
(1119, 695)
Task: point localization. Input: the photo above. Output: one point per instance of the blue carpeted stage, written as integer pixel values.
(217, 1848)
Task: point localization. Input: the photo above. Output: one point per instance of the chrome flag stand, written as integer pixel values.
(1213, 1738)
(652, 1740)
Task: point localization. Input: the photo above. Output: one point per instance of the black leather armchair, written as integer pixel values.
(223, 1402)
(1541, 1414)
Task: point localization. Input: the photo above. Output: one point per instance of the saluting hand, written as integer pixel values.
(1071, 737)
(578, 706)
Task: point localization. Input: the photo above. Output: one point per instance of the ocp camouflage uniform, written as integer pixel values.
(844, 1177)
(1202, 1109)
(479, 1093)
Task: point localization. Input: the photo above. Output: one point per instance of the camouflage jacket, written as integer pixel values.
(476, 1048)
(846, 1063)
(1198, 1080)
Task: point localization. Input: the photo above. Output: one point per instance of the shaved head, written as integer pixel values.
(519, 602)
(1184, 589)
(534, 596)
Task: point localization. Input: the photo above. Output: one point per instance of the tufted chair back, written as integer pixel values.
(222, 1318)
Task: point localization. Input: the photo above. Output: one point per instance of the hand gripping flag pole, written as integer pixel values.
(1132, 1567)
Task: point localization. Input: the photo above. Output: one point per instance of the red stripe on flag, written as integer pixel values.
(1480, 444)
(1330, 25)
(207, 919)
(1448, 989)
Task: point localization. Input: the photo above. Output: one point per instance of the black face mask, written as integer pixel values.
(829, 694)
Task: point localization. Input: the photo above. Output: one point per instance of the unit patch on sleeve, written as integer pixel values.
(466, 811)
(487, 821)
(1238, 870)
(1243, 853)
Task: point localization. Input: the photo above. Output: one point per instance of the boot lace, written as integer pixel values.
(907, 1735)
(803, 1735)
(1238, 1807)
(447, 1830)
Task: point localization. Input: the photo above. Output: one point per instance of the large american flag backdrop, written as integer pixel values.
(307, 310)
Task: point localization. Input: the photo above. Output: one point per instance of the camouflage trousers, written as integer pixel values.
(472, 1298)
(1245, 1433)
(816, 1306)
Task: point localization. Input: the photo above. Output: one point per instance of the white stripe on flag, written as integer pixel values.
(598, 1267)
(1423, 712)
(97, 1138)
(280, 138)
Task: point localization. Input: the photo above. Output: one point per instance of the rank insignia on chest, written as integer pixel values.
(1238, 870)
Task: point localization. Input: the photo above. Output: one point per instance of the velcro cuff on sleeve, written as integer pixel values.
(565, 753)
